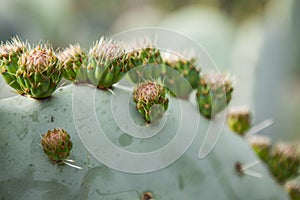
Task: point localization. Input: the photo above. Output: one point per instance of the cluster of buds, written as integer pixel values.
(151, 100)
(213, 93)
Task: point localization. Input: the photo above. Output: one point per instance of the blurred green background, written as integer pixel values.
(256, 40)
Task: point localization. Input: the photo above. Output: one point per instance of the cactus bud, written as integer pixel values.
(57, 145)
(187, 71)
(9, 56)
(261, 145)
(284, 162)
(143, 52)
(293, 188)
(239, 120)
(73, 63)
(147, 196)
(151, 100)
(213, 93)
(107, 63)
(38, 73)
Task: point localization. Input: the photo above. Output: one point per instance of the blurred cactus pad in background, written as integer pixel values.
(145, 113)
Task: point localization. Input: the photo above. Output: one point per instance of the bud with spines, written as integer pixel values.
(106, 63)
(284, 162)
(261, 145)
(57, 145)
(239, 120)
(213, 93)
(293, 188)
(10, 53)
(144, 53)
(151, 100)
(73, 62)
(39, 73)
(187, 70)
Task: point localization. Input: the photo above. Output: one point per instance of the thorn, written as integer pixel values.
(247, 166)
(69, 160)
(244, 170)
(252, 173)
(112, 92)
(259, 127)
(71, 165)
(125, 88)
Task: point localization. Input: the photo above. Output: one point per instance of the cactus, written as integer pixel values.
(99, 134)
(213, 93)
(151, 101)
(57, 145)
(239, 120)
(187, 70)
(73, 63)
(106, 63)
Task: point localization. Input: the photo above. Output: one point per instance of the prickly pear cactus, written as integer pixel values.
(119, 153)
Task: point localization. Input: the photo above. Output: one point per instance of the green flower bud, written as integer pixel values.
(143, 53)
(38, 73)
(213, 93)
(284, 162)
(187, 70)
(151, 100)
(239, 120)
(10, 53)
(293, 188)
(107, 63)
(73, 62)
(261, 145)
(57, 145)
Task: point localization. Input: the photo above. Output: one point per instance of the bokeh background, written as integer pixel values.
(256, 40)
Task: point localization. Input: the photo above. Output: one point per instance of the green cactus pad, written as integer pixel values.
(57, 145)
(25, 169)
